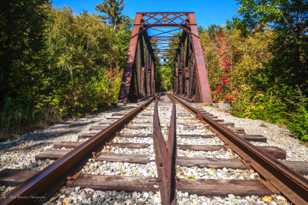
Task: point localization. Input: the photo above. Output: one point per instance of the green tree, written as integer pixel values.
(66, 65)
(112, 12)
(82, 51)
(272, 71)
(22, 60)
(290, 48)
(21, 41)
(166, 74)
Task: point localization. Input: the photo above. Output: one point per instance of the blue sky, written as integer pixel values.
(207, 11)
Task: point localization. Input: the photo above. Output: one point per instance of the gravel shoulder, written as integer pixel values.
(20, 153)
(276, 136)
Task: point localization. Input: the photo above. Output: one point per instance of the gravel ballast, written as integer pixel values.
(23, 156)
(276, 135)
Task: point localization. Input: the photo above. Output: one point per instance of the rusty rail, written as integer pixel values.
(50, 179)
(165, 157)
(277, 175)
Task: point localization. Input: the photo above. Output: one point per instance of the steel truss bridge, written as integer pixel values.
(165, 37)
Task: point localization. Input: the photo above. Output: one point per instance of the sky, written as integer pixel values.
(207, 11)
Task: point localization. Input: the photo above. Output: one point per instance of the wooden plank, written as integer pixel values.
(111, 157)
(240, 131)
(13, 177)
(146, 114)
(223, 187)
(118, 114)
(200, 187)
(228, 124)
(210, 162)
(194, 136)
(142, 121)
(113, 118)
(116, 183)
(51, 154)
(191, 127)
(274, 152)
(129, 145)
(104, 123)
(183, 115)
(208, 114)
(130, 158)
(207, 148)
(134, 126)
(255, 138)
(251, 138)
(141, 135)
(86, 135)
(98, 127)
(298, 166)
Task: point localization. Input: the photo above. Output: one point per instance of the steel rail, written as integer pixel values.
(37, 189)
(165, 157)
(171, 148)
(277, 175)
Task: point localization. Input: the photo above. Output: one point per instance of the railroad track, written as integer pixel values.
(164, 151)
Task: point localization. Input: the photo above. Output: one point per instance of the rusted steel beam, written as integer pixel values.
(165, 156)
(201, 70)
(153, 78)
(128, 72)
(139, 64)
(50, 179)
(161, 156)
(149, 25)
(171, 143)
(164, 12)
(277, 175)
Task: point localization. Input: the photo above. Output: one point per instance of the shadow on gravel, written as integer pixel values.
(36, 137)
(56, 130)
(29, 147)
(66, 125)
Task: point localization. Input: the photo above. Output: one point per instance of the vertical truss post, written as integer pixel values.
(176, 79)
(142, 81)
(138, 70)
(201, 70)
(187, 67)
(192, 72)
(147, 74)
(181, 70)
(141, 59)
(128, 72)
(153, 77)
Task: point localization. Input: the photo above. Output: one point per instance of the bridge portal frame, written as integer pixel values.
(145, 86)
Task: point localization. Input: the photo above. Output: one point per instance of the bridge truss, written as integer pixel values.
(165, 37)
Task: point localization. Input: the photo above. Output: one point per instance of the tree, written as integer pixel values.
(21, 40)
(288, 18)
(276, 90)
(112, 10)
(55, 64)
